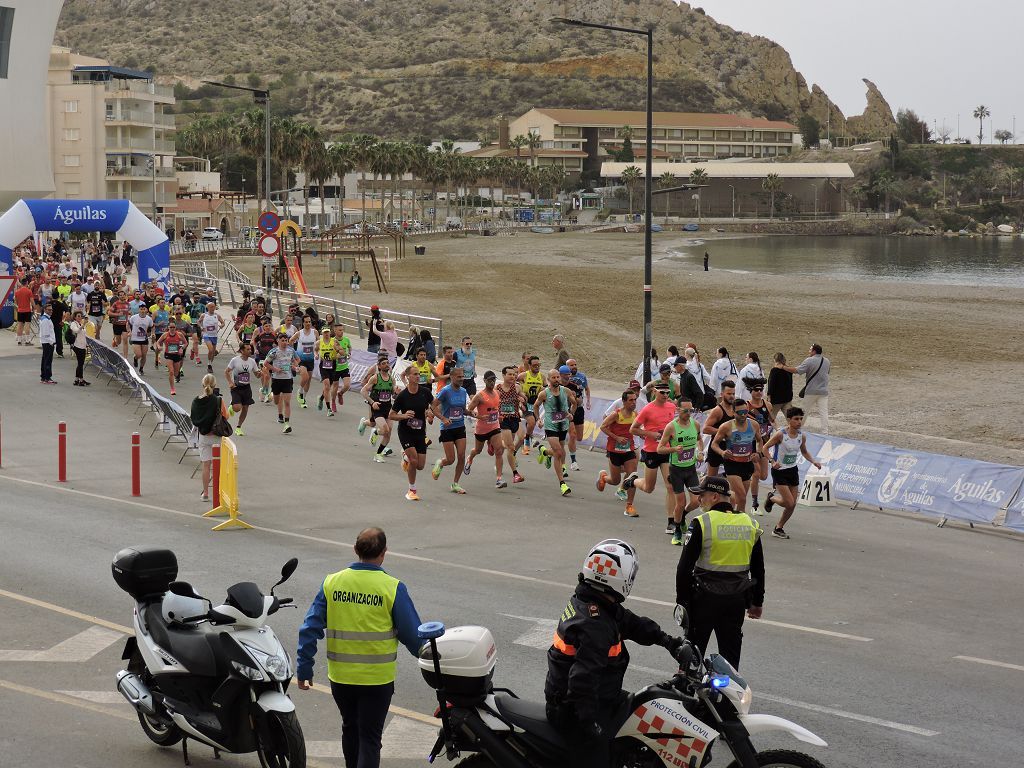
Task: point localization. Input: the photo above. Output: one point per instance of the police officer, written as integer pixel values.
(721, 571)
(366, 613)
(587, 659)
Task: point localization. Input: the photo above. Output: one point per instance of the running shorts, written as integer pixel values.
(741, 469)
(653, 459)
(241, 395)
(619, 459)
(511, 423)
(483, 438)
(328, 374)
(281, 386)
(26, 317)
(210, 340)
(307, 364)
(120, 329)
(559, 433)
(412, 438)
(579, 416)
(174, 358)
(683, 478)
(788, 476)
(451, 435)
(382, 411)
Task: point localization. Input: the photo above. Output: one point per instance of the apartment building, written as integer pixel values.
(597, 134)
(111, 133)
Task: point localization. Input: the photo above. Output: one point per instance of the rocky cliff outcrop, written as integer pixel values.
(877, 122)
(404, 67)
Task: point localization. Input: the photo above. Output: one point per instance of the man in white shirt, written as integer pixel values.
(48, 340)
(77, 300)
(722, 370)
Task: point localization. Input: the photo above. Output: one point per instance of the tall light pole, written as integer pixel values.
(262, 97)
(733, 199)
(648, 177)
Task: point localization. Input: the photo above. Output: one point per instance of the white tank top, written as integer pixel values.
(307, 343)
(787, 452)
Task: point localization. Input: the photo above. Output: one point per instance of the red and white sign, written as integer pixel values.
(7, 283)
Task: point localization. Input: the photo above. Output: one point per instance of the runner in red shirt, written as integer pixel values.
(650, 424)
(23, 306)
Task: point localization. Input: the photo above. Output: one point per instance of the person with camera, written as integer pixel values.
(720, 576)
(588, 657)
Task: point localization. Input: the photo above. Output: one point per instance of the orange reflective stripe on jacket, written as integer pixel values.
(570, 650)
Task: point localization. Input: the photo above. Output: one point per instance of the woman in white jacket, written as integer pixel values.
(752, 370)
(77, 328)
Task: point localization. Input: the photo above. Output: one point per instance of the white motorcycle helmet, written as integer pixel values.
(611, 566)
(175, 608)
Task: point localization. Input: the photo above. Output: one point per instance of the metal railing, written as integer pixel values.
(351, 315)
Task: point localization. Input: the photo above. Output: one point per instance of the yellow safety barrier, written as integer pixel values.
(228, 488)
(286, 226)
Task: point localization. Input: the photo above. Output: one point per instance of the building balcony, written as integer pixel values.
(135, 88)
(137, 172)
(140, 145)
(140, 117)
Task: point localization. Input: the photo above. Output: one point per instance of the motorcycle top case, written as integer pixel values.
(144, 571)
(468, 656)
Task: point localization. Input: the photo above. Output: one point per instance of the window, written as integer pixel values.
(72, 134)
(70, 106)
(72, 189)
(6, 27)
(72, 161)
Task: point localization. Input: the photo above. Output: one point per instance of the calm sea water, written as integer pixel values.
(955, 261)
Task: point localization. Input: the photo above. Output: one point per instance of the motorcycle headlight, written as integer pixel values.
(247, 671)
(745, 699)
(276, 666)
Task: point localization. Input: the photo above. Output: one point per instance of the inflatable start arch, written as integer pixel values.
(120, 216)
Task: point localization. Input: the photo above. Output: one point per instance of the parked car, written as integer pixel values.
(212, 233)
(453, 222)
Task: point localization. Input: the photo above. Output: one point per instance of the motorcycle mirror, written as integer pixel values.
(682, 619)
(286, 572)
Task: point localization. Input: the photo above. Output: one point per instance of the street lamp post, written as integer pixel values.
(261, 96)
(648, 177)
(733, 199)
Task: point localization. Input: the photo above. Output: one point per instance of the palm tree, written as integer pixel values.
(316, 165)
(535, 177)
(446, 155)
(980, 113)
(631, 176)
(380, 166)
(517, 143)
(311, 150)
(553, 178)
(533, 143)
(698, 178)
(422, 165)
(288, 144)
(251, 129)
(342, 163)
(665, 181)
(362, 145)
(771, 184)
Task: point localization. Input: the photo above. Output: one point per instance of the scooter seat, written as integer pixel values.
(191, 646)
(531, 716)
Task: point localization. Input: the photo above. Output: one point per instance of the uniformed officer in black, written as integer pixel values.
(720, 577)
(588, 658)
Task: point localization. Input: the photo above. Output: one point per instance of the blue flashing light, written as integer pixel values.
(720, 681)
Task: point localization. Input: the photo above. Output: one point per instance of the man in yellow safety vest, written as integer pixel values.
(720, 577)
(365, 613)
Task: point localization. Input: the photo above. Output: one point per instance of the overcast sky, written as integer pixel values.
(937, 57)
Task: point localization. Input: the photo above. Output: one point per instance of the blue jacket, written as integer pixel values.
(403, 614)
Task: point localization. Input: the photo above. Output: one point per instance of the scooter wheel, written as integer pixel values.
(783, 758)
(159, 732)
(476, 761)
(281, 744)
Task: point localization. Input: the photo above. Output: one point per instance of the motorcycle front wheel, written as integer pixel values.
(280, 744)
(476, 761)
(159, 732)
(783, 758)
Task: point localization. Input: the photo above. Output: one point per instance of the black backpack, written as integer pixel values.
(69, 337)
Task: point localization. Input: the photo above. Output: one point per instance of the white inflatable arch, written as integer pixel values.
(120, 216)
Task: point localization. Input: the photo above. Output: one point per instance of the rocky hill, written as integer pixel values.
(401, 68)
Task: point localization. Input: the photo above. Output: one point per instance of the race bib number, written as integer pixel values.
(172, 349)
(414, 423)
(789, 459)
(742, 450)
(559, 416)
(307, 348)
(492, 418)
(507, 409)
(423, 378)
(455, 412)
(327, 365)
(242, 378)
(687, 454)
(623, 446)
(384, 396)
(342, 359)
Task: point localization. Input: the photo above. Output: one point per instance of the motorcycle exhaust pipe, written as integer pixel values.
(135, 691)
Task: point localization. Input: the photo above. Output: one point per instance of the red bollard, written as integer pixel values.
(216, 476)
(1, 441)
(62, 452)
(136, 465)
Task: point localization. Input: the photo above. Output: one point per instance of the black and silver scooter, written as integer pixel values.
(215, 675)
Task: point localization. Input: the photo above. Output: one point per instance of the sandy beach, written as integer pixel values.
(929, 367)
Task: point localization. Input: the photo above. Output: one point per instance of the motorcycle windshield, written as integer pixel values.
(246, 597)
(719, 666)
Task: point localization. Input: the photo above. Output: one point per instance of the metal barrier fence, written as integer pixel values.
(351, 315)
(174, 419)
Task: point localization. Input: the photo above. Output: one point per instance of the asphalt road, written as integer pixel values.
(867, 619)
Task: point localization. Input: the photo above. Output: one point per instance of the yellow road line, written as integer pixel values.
(60, 698)
(67, 612)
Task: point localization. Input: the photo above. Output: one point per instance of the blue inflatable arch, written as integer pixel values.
(120, 216)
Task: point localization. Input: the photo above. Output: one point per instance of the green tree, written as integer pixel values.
(910, 129)
(665, 181)
(631, 176)
(362, 145)
(810, 130)
(625, 155)
(1003, 135)
(533, 143)
(699, 178)
(980, 113)
(771, 184)
(251, 127)
(517, 143)
(446, 156)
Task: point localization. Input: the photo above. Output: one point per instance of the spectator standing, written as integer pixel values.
(78, 333)
(60, 307)
(779, 389)
(723, 370)
(48, 340)
(204, 412)
(23, 308)
(561, 352)
(465, 358)
(752, 370)
(376, 325)
(362, 644)
(427, 342)
(816, 369)
(389, 341)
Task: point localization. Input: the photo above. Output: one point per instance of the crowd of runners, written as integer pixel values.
(687, 422)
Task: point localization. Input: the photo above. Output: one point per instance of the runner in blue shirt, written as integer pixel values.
(450, 407)
(465, 358)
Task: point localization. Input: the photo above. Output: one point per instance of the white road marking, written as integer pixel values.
(403, 739)
(540, 636)
(417, 558)
(664, 675)
(79, 648)
(991, 663)
(97, 697)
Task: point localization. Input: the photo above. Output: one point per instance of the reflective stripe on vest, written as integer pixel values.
(727, 541)
(362, 645)
(570, 650)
